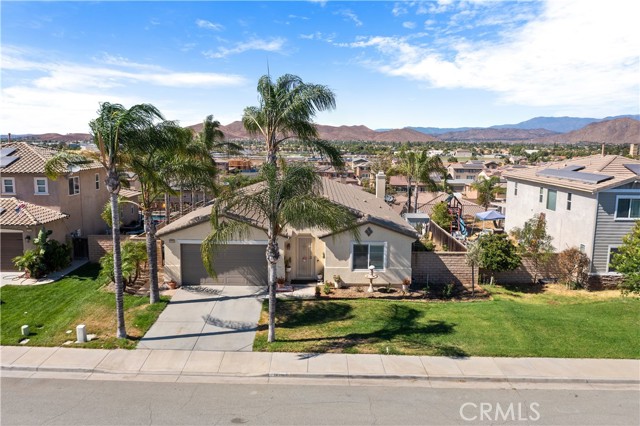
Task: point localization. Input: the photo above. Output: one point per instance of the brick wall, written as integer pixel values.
(601, 282)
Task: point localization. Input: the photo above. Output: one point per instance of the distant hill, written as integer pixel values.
(51, 137)
(617, 131)
(235, 131)
(438, 130)
(495, 135)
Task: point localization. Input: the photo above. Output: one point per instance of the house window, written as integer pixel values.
(541, 196)
(552, 194)
(40, 186)
(612, 250)
(97, 181)
(8, 186)
(368, 254)
(74, 185)
(569, 201)
(515, 189)
(628, 208)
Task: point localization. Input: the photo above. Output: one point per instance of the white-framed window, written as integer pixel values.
(541, 196)
(40, 186)
(97, 180)
(74, 185)
(569, 195)
(612, 250)
(627, 207)
(515, 189)
(552, 194)
(366, 254)
(8, 185)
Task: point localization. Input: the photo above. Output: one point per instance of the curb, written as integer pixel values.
(460, 379)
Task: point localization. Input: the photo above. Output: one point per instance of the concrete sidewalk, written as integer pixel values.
(176, 365)
(17, 277)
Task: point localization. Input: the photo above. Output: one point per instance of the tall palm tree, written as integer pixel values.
(151, 166)
(487, 190)
(418, 167)
(116, 131)
(286, 111)
(289, 197)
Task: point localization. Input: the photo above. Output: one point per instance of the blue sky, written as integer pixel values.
(391, 64)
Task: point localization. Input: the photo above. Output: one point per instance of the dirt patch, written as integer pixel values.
(361, 292)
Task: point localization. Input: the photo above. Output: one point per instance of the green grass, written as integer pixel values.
(52, 309)
(513, 324)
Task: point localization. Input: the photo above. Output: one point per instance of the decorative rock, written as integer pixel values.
(24, 341)
(81, 333)
(69, 331)
(91, 337)
(25, 330)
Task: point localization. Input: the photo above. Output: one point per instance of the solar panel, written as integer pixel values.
(592, 178)
(573, 168)
(635, 168)
(7, 151)
(5, 161)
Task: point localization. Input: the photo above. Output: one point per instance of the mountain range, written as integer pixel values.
(616, 130)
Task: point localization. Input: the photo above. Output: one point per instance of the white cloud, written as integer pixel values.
(203, 23)
(273, 45)
(65, 95)
(349, 15)
(572, 55)
(408, 24)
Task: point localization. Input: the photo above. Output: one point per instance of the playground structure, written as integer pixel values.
(457, 223)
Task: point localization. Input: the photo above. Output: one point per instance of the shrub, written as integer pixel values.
(627, 261)
(133, 255)
(497, 253)
(424, 244)
(441, 216)
(573, 266)
(326, 288)
(447, 291)
(47, 256)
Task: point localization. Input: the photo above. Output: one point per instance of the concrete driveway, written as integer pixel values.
(207, 318)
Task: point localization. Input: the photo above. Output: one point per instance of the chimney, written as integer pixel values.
(381, 182)
(603, 150)
(633, 150)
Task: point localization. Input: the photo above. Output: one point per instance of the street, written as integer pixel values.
(96, 402)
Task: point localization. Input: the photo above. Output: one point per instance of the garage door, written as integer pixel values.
(238, 264)
(10, 247)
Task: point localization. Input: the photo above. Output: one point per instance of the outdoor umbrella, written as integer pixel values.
(489, 215)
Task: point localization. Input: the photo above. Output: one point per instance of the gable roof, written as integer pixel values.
(31, 159)
(27, 215)
(589, 174)
(369, 209)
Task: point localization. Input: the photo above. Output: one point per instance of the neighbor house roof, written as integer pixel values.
(129, 193)
(31, 158)
(589, 174)
(15, 212)
(369, 209)
(469, 208)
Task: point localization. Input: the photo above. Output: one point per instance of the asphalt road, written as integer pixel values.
(94, 402)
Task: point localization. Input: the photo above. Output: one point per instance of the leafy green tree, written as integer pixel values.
(291, 197)
(627, 261)
(286, 111)
(134, 254)
(534, 242)
(418, 167)
(441, 216)
(487, 190)
(496, 254)
(116, 132)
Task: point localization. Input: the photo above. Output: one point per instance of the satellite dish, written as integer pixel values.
(73, 168)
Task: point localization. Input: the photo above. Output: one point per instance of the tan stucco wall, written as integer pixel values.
(83, 209)
(338, 259)
(195, 235)
(58, 227)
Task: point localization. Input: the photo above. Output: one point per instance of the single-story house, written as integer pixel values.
(385, 242)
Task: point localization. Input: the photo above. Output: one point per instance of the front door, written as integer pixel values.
(305, 261)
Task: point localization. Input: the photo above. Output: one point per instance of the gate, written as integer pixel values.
(80, 248)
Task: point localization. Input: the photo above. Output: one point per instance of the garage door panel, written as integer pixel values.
(10, 247)
(236, 265)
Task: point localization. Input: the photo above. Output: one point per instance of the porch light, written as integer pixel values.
(28, 238)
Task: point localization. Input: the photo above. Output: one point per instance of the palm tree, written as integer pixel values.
(418, 166)
(116, 131)
(289, 197)
(286, 110)
(487, 190)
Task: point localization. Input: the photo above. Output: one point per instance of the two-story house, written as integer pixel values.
(468, 171)
(589, 203)
(69, 206)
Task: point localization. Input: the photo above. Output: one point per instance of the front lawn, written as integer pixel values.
(80, 298)
(514, 324)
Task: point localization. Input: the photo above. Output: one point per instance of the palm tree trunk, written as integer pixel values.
(181, 203)
(408, 194)
(193, 203)
(272, 259)
(117, 264)
(415, 201)
(152, 256)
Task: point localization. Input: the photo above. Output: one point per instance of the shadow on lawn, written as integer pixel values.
(313, 313)
(401, 327)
